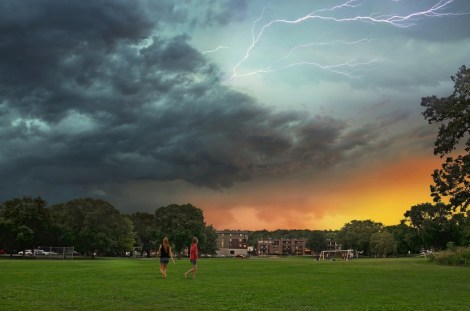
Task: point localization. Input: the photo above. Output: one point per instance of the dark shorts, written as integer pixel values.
(164, 260)
(193, 261)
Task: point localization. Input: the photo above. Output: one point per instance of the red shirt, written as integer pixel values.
(193, 252)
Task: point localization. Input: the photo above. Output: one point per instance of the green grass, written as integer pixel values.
(232, 284)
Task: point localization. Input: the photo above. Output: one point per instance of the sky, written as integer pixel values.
(264, 114)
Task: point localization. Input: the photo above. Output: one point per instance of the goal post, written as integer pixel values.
(345, 253)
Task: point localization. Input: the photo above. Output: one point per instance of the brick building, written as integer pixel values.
(232, 242)
(282, 247)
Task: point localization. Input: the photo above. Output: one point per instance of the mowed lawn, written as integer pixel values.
(292, 283)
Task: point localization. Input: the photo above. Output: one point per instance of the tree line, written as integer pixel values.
(94, 226)
(424, 227)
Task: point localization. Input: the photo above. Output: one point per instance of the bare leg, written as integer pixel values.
(192, 270)
(163, 270)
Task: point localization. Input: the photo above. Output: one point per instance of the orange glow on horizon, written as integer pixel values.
(382, 195)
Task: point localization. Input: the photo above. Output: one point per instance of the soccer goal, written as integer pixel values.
(346, 254)
(54, 252)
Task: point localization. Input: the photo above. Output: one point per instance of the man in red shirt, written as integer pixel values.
(193, 258)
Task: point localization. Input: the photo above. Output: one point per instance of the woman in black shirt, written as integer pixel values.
(164, 252)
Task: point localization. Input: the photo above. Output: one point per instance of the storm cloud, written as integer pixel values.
(130, 101)
(91, 94)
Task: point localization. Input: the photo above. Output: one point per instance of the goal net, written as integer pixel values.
(346, 254)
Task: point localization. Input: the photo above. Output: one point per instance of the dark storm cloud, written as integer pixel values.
(43, 43)
(85, 102)
(225, 11)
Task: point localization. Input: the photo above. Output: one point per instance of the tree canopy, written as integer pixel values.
(357, 233)
(383, 244)
(452, 113)
(95, 226)
(317, 241)
(180, 223)
(144, 226)
(23, 222)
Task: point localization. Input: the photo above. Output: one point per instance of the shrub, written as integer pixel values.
(458, 256)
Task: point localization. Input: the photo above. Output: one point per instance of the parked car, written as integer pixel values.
(27, 252)
(39, 252)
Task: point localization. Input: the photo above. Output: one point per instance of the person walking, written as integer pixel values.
(165, 254)
(193, 258)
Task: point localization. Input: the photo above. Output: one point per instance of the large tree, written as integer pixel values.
(317, 241)
(144, 226)
(125, 235)
(210, 245)
(383, 244)
(94, 226)
(431, 222)
(452, 113)
(180, 223)
(406, 237)
(357, 233)
(460, 229)
(7, 235)
(24, 222)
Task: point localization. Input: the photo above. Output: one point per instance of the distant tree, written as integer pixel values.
(180, 223)
(331, 235)
(408, 241)
(431, 222)
(292, 234)
(103, 227)
(466, 231)
(453, 115)
(25, 238)
(459, 226)
(68, 219)
(300, 234)
(281, 234)
(317, 241)
(383, 244)
(254, 236)
(7, 233)
(24, 220)
(144, 226)
(356, 235)
(210, 244)
(94, 226)
(125, 235)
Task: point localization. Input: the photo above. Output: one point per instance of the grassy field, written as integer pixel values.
(233, 284)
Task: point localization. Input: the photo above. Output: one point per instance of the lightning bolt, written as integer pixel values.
(215, 50)
(346, 68)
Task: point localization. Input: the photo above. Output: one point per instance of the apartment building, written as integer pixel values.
(232, 242)
(282, 247)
